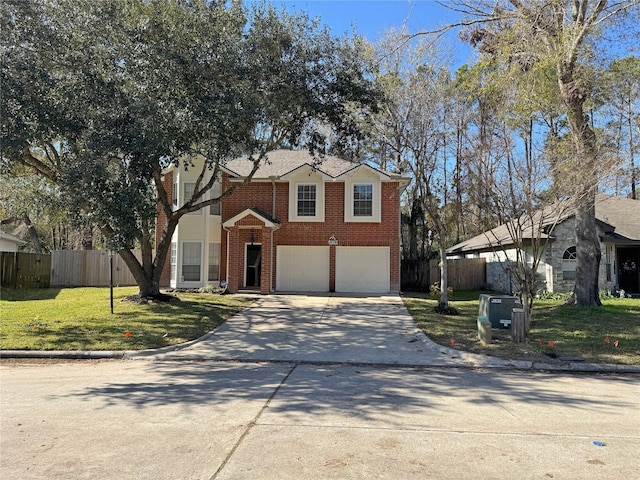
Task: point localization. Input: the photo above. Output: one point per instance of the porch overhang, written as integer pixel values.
(263, 217)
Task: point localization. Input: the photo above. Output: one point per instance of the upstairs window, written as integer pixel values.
(189, 188)
(306, 201)
(215, 192)
(174, 195)
(306, 197)
(363, 200)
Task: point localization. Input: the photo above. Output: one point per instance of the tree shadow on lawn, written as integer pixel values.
(10, 295)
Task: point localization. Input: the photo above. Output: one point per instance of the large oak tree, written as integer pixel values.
(99, 97)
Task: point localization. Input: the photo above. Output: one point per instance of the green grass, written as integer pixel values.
(573, 331)
(80, 319)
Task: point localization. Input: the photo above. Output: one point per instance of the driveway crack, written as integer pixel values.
(253, 422)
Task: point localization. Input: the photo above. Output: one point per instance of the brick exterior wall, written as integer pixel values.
(260, 195)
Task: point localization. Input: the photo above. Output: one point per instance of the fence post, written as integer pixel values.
(518, 325)
(111, 279)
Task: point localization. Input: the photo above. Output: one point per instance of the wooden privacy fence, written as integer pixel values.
(25, 270)
(464, 273)
(88, 268)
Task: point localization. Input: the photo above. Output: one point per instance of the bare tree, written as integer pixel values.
(557, 37)
(413, 129)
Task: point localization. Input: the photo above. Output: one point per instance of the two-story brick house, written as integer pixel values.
(300, 225)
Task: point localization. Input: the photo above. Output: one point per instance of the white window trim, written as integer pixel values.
(174, 265)
(376, 188)
(293, 202)
(315, 200)
(569, 265)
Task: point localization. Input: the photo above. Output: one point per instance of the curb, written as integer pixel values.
(64, 354)
(471, 360)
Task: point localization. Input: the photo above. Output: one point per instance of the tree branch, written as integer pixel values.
(34, 162)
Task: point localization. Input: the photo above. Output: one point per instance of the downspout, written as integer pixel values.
(227, 269)
(273, 216)
(271, 264)
(399, 241)
(401, 188)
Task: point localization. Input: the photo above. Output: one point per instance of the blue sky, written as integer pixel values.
(372, 18)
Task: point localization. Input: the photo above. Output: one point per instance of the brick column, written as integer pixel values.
(332, 268)
(235, 260)
(265, 274)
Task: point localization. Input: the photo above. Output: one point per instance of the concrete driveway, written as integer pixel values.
(361, 329)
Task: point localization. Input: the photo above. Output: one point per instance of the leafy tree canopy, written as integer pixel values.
(99, 97)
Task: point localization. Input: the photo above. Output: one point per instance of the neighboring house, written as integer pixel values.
(618, 225)
(9, 243)
(300, 225)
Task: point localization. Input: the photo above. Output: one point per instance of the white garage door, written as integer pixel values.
(362, 269)
(302, 269)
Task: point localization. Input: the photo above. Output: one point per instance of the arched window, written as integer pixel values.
(569, 264)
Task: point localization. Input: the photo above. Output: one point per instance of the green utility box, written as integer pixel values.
(497, 309)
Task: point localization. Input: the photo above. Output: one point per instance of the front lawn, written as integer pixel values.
(80, 319)
(610, 334)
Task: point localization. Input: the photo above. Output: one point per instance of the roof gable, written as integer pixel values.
(364, 169)
(11, 238)
(253, 212)
(623, 214)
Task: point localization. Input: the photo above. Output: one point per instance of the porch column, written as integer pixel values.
(235, 260)
(265, 275)
(332, 268)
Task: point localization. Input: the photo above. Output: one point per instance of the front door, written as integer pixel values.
(253, 267)
(628, 271)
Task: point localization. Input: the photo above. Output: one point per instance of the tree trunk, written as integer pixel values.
(632, 154)
(586, 173)
(586, 291)
(148, 279)
(33, 234)
(444, 278)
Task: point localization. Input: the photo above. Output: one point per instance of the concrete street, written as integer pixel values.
(227, 417)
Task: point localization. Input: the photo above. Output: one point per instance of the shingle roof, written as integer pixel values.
(623, 214)
(11, 238)
(281, 162)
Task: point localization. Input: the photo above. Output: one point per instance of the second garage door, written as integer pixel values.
(302, 269)
(362, 269)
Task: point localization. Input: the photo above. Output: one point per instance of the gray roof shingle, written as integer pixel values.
(623, 214)
(281, 162)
